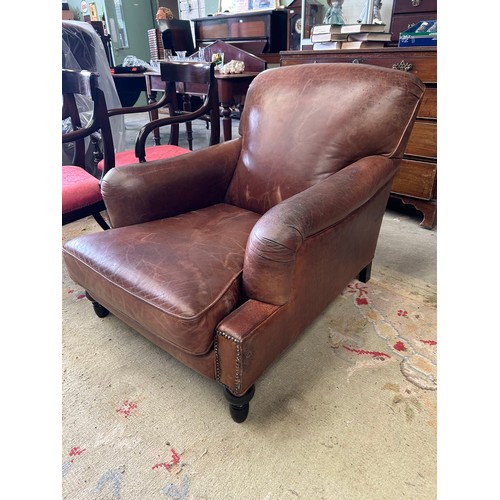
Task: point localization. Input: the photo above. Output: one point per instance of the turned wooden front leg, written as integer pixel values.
(239, 406)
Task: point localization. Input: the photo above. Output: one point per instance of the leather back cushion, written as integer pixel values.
(303, 123)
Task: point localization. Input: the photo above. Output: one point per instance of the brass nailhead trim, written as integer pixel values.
(237, 379)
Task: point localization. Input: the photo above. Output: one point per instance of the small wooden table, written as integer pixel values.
(232, 89)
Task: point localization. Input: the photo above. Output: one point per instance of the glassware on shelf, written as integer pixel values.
(155, 65)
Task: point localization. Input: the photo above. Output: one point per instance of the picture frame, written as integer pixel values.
(313, 12)
(93, 12)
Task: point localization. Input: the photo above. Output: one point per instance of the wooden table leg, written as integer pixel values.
(226, 122)
(232, 89)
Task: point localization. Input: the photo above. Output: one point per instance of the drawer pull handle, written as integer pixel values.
(402, 66)
(415, 3)
(357, 61)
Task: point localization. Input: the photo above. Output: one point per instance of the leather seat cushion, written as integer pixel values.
(152, 153)
(178, 277)
(79, 189)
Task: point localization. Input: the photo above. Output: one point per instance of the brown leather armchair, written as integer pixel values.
(223, 257)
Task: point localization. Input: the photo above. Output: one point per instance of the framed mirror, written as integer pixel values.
(315, 11)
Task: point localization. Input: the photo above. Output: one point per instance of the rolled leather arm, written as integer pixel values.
(276, 238)
(162, 188)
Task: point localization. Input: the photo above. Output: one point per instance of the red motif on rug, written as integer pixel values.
(126, 408)
(167, 465)
(360, 291)
(76, 451)
(373, 354)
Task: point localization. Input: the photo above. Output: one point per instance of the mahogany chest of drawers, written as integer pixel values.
(416, 183)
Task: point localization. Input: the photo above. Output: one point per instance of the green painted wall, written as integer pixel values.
(139, 18)
(211, 6)
(74, 6)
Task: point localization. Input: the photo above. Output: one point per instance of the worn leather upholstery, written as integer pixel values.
(222, 257)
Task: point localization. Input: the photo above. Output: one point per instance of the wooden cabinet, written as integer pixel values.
(406, 13)
(256, 32)
(415, 184)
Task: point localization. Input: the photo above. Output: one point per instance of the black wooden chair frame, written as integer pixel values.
(85, 83)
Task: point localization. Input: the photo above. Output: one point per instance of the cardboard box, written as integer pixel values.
(422, 34)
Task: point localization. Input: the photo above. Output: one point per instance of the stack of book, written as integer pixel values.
(349, 36)
(155, 44)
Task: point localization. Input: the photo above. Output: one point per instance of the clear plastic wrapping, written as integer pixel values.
(82, 49)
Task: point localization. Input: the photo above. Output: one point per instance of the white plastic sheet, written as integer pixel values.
(82, 49)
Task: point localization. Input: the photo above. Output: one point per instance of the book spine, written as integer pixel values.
(326, 28)
(321, 29)
(327, 37)
(362, 28)
(327, 46)
(363, 45)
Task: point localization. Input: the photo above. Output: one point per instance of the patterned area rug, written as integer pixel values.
(349, 412)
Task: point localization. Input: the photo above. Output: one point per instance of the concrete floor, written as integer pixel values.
(404, 246)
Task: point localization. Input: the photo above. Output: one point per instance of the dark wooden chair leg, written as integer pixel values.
(100, 220)
(101, 311)
(239, 405)
(186, 106)
(365, 273)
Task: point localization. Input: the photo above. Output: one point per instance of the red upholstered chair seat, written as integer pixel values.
(79, 189)
(172, 73)
(152, 153)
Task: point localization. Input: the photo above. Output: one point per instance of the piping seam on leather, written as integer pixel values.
(149, 302)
